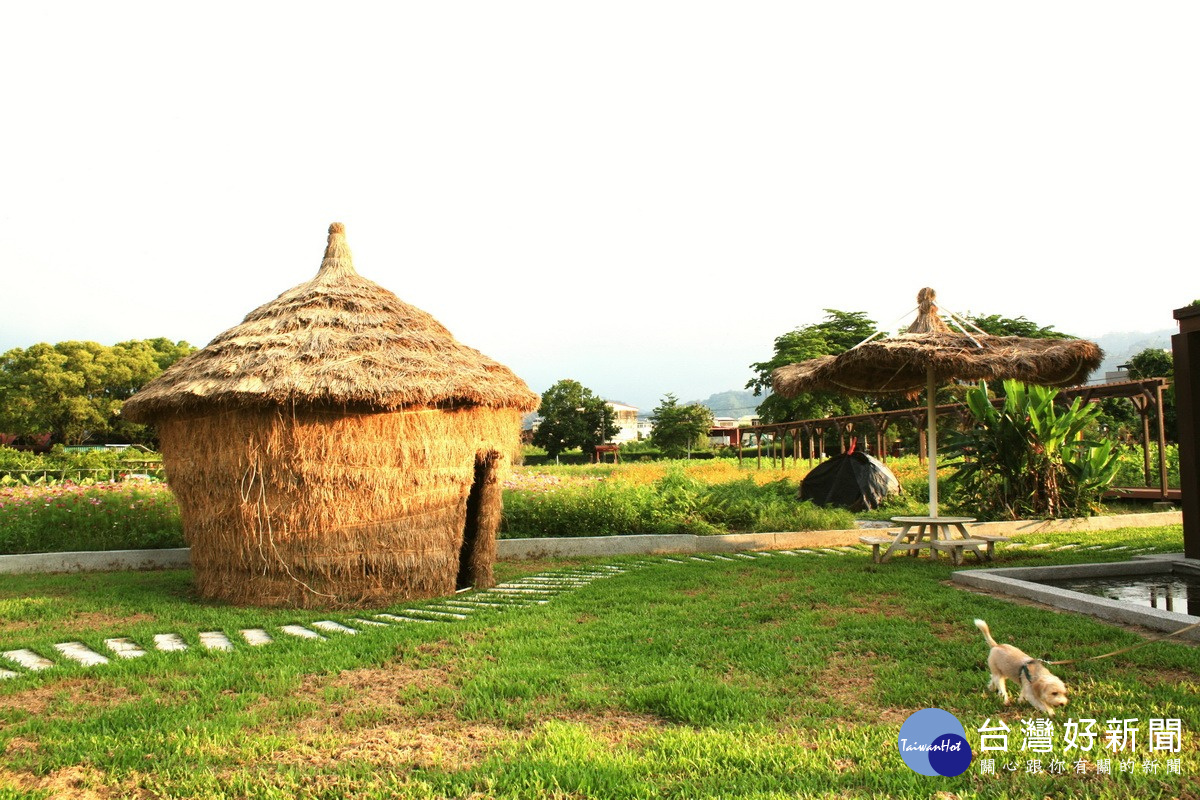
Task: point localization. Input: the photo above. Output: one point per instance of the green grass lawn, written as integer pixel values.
(780, 677)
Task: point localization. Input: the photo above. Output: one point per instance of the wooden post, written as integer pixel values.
(1162, 445)
(1142, 404)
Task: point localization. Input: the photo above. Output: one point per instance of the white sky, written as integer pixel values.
(637, 195)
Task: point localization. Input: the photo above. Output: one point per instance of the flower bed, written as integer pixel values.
(103, 516)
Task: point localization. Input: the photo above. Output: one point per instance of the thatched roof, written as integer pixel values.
(901, 363)
(338, 339)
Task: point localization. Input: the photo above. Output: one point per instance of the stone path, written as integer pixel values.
(526, 592)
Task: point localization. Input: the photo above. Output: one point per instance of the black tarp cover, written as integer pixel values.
(852, 480)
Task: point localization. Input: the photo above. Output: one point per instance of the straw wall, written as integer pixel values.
(308, 508)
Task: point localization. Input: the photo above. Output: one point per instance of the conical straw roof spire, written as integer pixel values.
(338, 258)
(928, 320)
(336, 340)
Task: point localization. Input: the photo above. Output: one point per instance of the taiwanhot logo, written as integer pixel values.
(933, 742)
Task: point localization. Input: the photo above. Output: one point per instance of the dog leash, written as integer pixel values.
(1193, 626)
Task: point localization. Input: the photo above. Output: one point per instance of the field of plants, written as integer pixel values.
(43, 511)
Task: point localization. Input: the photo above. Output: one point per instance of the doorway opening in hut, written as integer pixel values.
(479, 530)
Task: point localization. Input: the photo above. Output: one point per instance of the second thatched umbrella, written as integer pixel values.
(929, 354)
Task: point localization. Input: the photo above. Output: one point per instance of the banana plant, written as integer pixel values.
(1028, 457)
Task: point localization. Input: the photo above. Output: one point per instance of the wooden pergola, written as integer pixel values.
(1146, 396)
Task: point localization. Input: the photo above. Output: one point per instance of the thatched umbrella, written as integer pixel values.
(337, 448)
(930, 353)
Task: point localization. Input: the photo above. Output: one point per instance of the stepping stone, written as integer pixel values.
(743, 555)
(701, 560)
(1043, 545)
(329, 626)
(722, 558)
(300, 632)
(673, 561)
(484, 604)
(431, 612)
(761, 554)
(215, 640)
(1121, 547)
(256, 637)
(395, 618)
(1066, 547)
(5, 674)
(459, 606)
(361, 621)
(1093, 547)
(832, 552)
(564, 581)
(505, 589)
(80, 653)
(28, 659)
(169, 642)
(1011, 545)
(124, 648)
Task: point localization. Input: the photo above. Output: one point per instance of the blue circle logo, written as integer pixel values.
(933, 742)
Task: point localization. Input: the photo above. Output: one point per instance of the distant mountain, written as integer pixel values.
(733, 403)
(1120, 347)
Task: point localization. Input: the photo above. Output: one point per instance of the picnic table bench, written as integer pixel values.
(935, 533)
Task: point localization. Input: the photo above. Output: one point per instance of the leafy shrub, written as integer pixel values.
(60, 464)
(1131, 466)
(674, 503)
(1027, 458)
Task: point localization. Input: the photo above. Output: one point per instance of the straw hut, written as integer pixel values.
(338, 448)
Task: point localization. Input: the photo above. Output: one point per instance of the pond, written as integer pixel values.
(1169, 591)
(1118, 592)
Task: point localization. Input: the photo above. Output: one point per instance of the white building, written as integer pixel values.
(626, 418)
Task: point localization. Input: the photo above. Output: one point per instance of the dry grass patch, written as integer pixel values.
(70, 783)
(63, 699)
(444, 745)
(849, 681)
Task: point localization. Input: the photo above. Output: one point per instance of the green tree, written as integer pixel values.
(74, 390)
(997, 325)
(1152, 363)
(677, 429)
(573, 416)
(1155, 363)
(838, 332)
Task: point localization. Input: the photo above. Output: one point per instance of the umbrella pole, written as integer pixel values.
(931, 440)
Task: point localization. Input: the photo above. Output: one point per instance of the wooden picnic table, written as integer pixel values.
(936, 534)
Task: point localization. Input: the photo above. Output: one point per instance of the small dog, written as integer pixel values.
(1038, 687)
